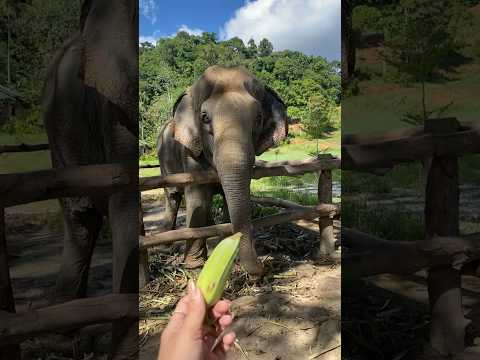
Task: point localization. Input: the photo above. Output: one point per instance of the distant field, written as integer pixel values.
(22, 162)
(380, 106)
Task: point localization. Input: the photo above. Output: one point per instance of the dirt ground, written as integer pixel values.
(293, 313)
(34, 239)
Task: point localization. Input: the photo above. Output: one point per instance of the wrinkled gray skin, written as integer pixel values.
(90, 113)
(224, 120)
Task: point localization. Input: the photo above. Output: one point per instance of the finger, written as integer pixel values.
(222, 307)
(228, 341)
(178, 316)
(196, 310)
(225, 320)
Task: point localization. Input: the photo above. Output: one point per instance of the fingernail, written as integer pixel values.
(192, 288)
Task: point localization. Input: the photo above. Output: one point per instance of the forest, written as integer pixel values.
(309, 85)
(32, 30)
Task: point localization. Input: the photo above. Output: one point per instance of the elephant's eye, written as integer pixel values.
(205, 118)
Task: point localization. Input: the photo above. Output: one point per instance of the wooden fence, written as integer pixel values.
(438, 145)
(23, 188)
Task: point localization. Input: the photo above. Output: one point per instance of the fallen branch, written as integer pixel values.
(73, 314)
(322, 210)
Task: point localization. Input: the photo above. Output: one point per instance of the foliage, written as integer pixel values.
(419, 34)
(319, 120)
(367, 19)
(37, 29)
(172, 64)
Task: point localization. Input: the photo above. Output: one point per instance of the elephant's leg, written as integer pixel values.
(123, 213)
(199, 201)
(123, 216)
(172, 204)
(83, 222)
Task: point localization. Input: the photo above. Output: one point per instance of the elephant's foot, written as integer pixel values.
(195, 254)
(253, 267)
(194, 262)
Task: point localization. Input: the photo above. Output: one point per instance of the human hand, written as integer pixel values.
(186, 337)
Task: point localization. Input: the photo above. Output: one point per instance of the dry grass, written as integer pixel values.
(278, 254)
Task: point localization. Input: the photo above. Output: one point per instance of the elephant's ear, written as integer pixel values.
(275, 125)
(185, 127)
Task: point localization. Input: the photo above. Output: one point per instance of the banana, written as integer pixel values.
(217, 268)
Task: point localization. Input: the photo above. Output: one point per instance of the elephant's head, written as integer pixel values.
(228, 117)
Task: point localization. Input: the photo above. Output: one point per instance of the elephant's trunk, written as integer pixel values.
(234, 160)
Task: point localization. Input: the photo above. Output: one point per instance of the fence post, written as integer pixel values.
(7, 302)
(447, 331)
(326, 237)
(143, 271)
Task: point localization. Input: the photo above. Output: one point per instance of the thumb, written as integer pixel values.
(196, 310)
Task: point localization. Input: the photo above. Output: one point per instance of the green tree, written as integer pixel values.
(417, 38)
(252, 49)
(265, 48)
(319, 120)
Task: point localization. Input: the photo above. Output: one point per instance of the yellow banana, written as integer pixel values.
(217, 268)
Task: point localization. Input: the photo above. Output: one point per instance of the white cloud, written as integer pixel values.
(148, 8)
(310, 26)
(196, 32)
(152, 39)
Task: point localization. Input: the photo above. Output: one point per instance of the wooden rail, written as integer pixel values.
(378, 152)
(261, 170)
(23, 148)
(301, 212)
(21, 188)
(67, 316)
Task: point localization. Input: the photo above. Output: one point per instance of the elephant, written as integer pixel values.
(90, 113)
(221, 122)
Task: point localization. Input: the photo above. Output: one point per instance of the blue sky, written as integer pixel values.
(169, 15)
(309, 26)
